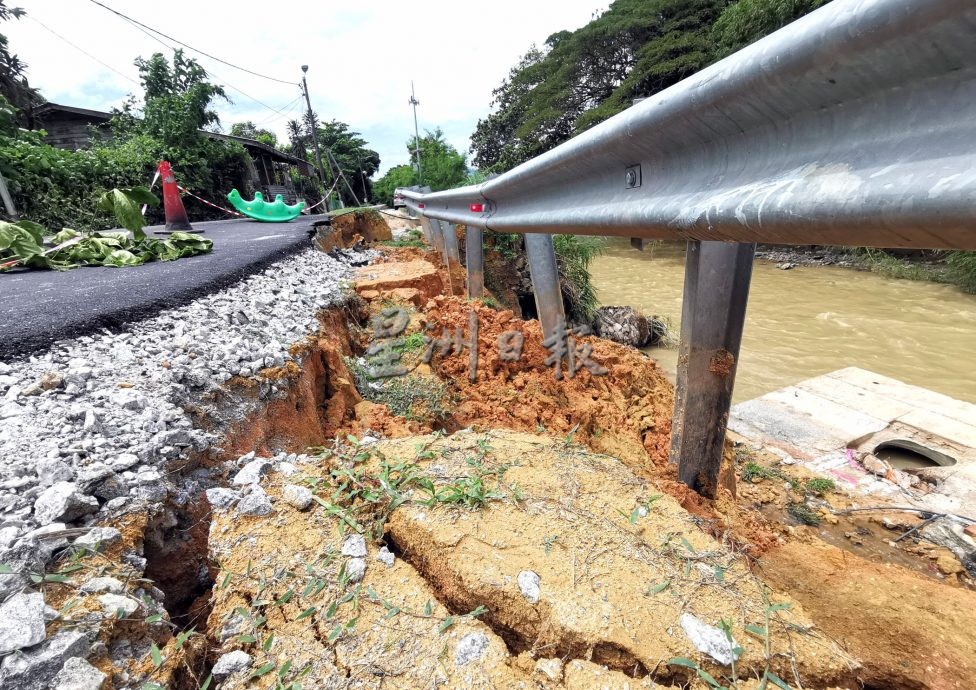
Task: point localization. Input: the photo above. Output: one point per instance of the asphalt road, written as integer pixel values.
(38, 307)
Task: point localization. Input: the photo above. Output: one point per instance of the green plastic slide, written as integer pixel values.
(259, 209)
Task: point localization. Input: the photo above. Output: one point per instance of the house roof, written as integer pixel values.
(100, 116)
(45, 108)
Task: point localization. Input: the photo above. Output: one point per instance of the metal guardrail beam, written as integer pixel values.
(855, 125)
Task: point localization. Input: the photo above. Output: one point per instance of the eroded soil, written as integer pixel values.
(566, 480)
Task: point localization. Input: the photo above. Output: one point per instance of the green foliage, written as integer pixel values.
(348, 150)
(59, 188)
(820, 485)
(398, 176)
(747, 21)
(126, 205)
(574, 254)
(23, 244)
(633, 49)
(249, 130)
(444, 168)
(962, 269)
(14, 87)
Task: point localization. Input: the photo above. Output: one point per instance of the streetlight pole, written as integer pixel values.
(416, 132)
(315, 135)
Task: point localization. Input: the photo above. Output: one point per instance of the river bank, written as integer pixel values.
(812, 319)
(473, 522)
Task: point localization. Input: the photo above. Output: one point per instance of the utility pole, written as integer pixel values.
(416, 131)
(315, 135)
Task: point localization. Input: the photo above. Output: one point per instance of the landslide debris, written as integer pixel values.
(491, 560)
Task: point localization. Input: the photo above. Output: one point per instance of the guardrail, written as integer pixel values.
(855, 125)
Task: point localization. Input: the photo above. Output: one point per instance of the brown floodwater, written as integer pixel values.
(812, 320)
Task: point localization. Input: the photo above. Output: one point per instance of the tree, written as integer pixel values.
(398, 176)
(297, 139)
(580, 78)
(749, 20)
(633, 49)
(177, 103)
(349, 151)
(249, 130)
(13, 73)
(444, 167)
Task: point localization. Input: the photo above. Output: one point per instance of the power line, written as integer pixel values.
(82, 50)
(210, 72)
(291, 111)
(185, 45)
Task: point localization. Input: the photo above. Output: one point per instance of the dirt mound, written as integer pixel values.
(378, 280)
(626, 413)
(909, 632)
(369, 225)
(511, 570)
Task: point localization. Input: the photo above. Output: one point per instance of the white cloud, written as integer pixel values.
(361, 56)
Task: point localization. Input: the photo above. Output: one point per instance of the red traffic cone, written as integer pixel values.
(176, 220)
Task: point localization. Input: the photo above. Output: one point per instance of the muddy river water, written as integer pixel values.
(809, 321)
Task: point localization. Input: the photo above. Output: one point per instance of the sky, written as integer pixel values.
(361, 56)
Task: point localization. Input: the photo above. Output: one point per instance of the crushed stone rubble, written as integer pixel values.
(98, 426)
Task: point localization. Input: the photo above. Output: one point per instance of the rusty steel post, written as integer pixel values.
(545, 281)
(717, 276)
(474, 253)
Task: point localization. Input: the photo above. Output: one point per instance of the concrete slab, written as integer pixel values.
(832, 422)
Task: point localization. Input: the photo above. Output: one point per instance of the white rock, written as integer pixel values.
(530, 584)
(386, 557)
(21, 622)
(78, 674)
(252, 472)
(354, 545)
(255, 503)
(102, 584)
(231, 663)
(550, 668)
(470, 648)
(221, 498)
(98, 538)
(35, 667)
(299, 497)
(62, 502)
(113, 603)
(355, 569)
(708, 639)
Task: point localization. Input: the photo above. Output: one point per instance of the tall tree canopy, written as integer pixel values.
(348, 150)
(249, 130)
(444, 167)
(13, 72)
(633, 49)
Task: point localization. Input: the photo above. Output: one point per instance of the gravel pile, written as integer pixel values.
(96, 425)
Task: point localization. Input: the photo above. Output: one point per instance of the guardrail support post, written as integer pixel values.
(474, 253)
(425, 227)
(432, 228)
(717, 276)
(452, 256)
(545, 280)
